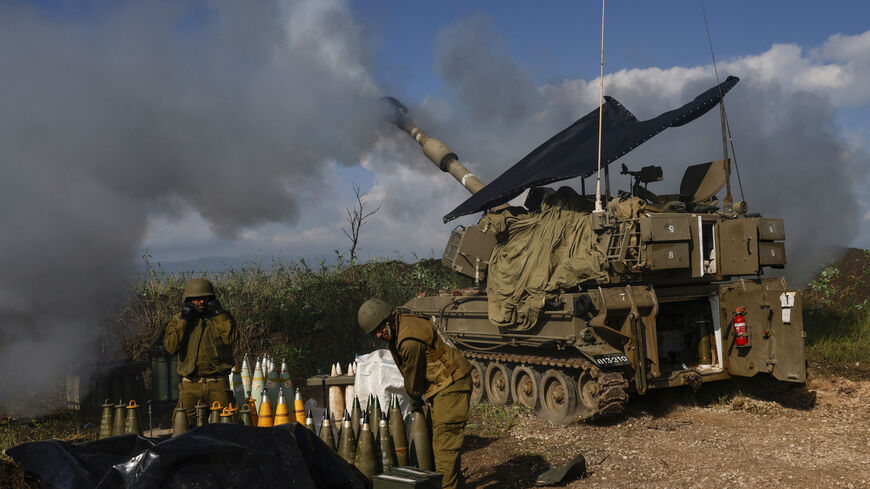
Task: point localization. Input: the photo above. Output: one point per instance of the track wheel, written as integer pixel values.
(478, 391)
(558, 397)
(526, 386)
(587, 395)
(498, 383)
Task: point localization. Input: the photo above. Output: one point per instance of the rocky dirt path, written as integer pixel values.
(740, 435)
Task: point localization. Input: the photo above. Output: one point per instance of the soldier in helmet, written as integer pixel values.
(431, 370)
(202, 334)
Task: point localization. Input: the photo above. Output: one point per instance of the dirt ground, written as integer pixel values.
(749, 434)
(728, 435)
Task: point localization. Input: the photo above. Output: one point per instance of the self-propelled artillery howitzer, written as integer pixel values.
(574, 309)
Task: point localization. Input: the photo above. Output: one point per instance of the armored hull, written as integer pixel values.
(574, 365)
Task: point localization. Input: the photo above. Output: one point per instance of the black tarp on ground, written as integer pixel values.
(214, 456)
(574, 151)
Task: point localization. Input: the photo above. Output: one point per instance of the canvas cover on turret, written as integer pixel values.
(540, 253)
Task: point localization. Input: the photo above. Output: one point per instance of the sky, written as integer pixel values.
(543, 46)
(185, 130)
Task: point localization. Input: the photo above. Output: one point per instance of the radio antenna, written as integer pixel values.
(726, 129)
(598, 207)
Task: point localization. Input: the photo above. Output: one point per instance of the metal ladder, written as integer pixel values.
(622, 248)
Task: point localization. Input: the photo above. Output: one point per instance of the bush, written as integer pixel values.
(292, 310)
(837, 317)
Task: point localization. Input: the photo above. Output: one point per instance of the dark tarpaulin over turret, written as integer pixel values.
(574, 151)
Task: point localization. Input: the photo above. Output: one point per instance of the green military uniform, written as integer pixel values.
(433, 370)
(205, 358)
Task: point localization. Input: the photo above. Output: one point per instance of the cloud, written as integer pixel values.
(851, 54)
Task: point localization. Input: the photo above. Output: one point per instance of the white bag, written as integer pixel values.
(378, 374)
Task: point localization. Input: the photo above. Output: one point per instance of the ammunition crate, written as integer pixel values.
(771, 249)
(668, 256)
(401, 477)
(771, 229)
(771, 254)
(665, 227)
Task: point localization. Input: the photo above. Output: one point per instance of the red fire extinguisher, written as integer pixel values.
(741, 332)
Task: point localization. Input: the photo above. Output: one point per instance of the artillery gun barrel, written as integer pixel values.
(437, 152)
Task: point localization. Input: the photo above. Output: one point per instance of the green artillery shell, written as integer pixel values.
(387, 453)
(106, 420)
(421, 442)
(120, 418)
(245, 415)
(355, 416)
(397, 430)
(374, 415)
(179, 420)
(365, 452)
(326, 432)
(132, 425)
(347, 443)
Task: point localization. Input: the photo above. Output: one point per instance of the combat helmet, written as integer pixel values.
(197, 287)
(372, 313)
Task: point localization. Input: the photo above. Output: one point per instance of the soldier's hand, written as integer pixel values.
(214, 305)
(417, 405)
(188, 312)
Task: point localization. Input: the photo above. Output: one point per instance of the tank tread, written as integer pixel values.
(531, 359)
(612, 386)
(612, 394)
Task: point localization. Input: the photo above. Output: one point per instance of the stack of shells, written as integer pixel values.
(258, 398)
(372, 440)
(262, 394)
(341, 398)
(119, 419)
(266, 376)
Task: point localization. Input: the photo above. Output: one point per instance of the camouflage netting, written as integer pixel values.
(538, 254)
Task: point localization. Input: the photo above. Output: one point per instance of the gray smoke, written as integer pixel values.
(142, 109)
(474, 61)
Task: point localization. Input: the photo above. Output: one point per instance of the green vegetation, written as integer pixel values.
(488, 420)
(66, 426)
(293, 310)
(838, 340)
(837, 318)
